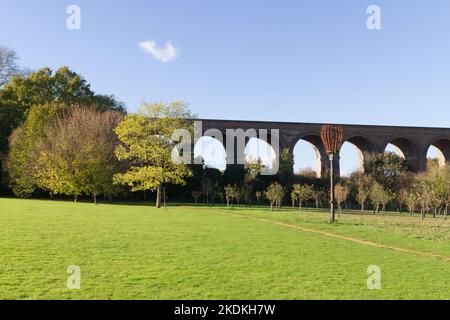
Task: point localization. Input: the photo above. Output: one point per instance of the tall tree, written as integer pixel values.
(42, 89)
(146, 143)
(387, 169)
(21, 157)
(75, 156)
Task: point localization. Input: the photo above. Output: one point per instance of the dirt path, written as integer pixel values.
(337, 236)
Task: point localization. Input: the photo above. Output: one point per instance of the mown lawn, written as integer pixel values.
(187, 252)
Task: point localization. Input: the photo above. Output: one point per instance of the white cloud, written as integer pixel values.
(165, 55)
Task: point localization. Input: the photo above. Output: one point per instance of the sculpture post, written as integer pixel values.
(332, 139)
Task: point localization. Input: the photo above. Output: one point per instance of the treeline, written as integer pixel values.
(387, 184)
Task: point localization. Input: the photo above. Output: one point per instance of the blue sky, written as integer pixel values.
(305, 61)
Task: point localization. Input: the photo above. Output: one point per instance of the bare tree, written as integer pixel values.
(8, 65)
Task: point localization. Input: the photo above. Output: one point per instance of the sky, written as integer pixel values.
(299, 61)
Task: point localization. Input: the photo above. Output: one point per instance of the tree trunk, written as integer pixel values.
(95, 198)
(446, 212)
(75, 198)
(158, 197)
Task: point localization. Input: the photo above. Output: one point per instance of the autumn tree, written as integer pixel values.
(363, 185)
(408, 197)
(75, 155)
(342, 194)
(275, 193)
(21, 159)
(28, 103)
(304, 192)
(376, 195)
(147, 144)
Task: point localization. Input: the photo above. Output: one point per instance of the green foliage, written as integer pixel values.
(75, 156)
(387, 168)
(22, 156)
(62, 86)
(31, 102)
(231, 193)
(275, 193)
(342, 193)
(302, 192)
(379, 196)
(286, 166)
(147, 146)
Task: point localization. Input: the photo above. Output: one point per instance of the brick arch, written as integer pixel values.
(443, 145)
(411, 152)
(365, 147)
(322, 163)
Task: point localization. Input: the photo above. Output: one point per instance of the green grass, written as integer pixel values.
(187, 252)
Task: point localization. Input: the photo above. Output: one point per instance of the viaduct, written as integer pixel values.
(413, 142)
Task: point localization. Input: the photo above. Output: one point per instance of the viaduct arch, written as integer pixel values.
(414, 142)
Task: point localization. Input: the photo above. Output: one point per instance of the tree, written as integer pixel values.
(376, 195)
(286, 167)
(146, 143)
(275, 194)
(8, 65)
(304, 192)
(252, 170)
(231, 193)
(75, 155)
(63, 86)
(319, 196)
(294, 198)
(387, 168)
(424, 194)
(363, 185)
(20, 162)
(342, 194)
(437, 179)
(41, 90)
(386, 197)
(409, 197)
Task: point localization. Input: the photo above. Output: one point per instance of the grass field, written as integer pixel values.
(187, 252)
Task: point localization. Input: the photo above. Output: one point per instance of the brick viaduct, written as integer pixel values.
(413, 142)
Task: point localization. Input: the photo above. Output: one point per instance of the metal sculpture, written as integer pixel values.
(332, 139)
